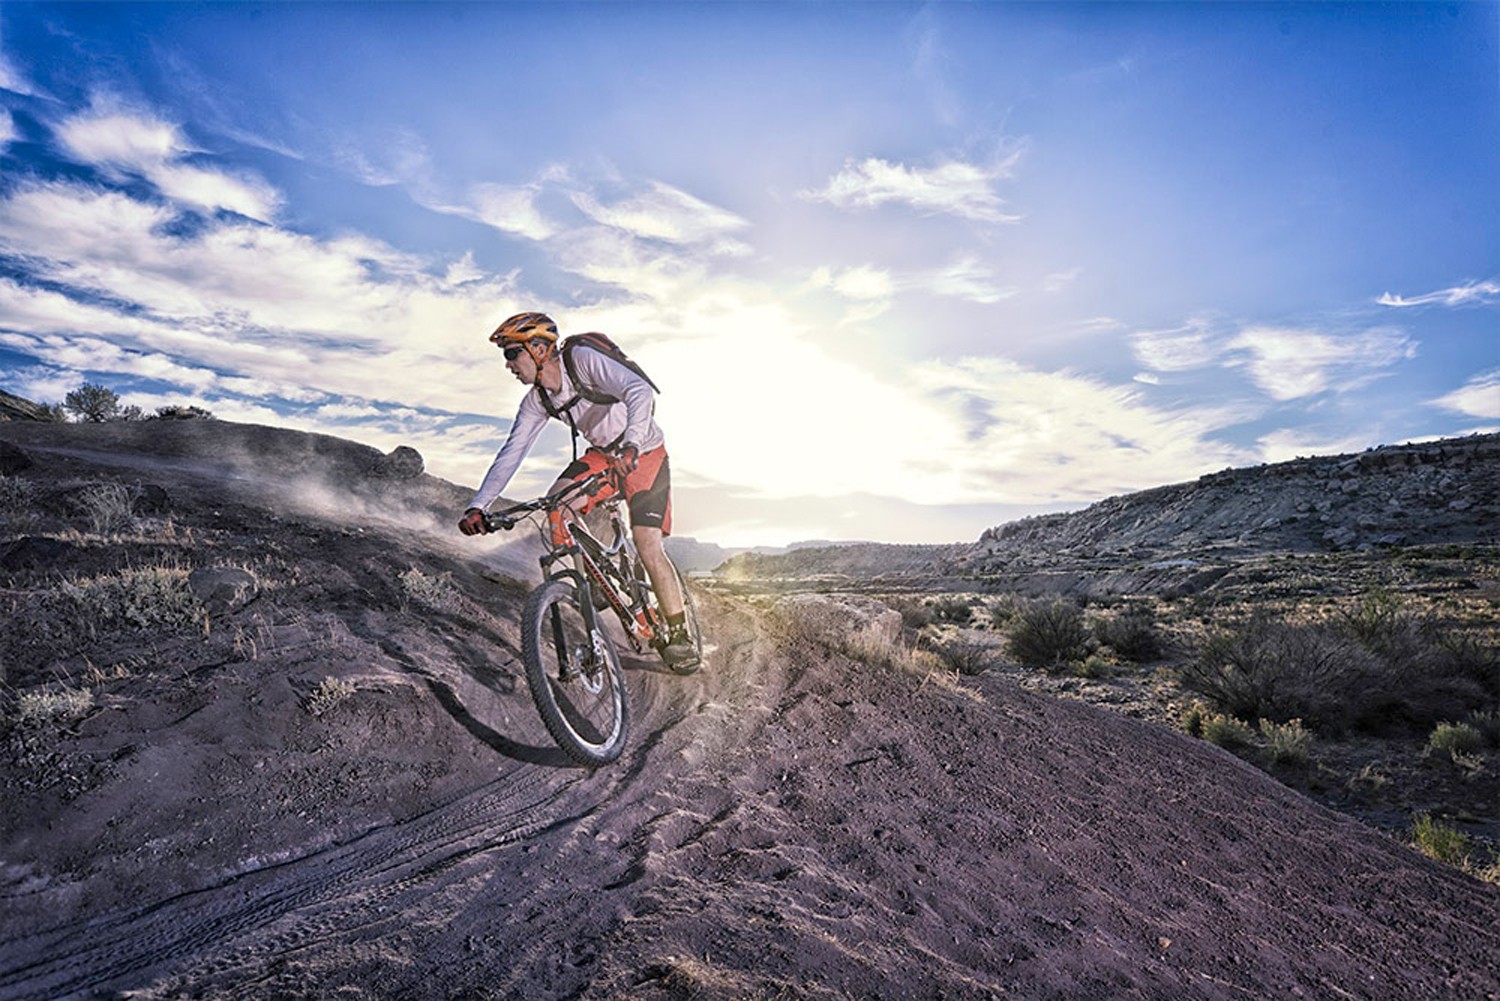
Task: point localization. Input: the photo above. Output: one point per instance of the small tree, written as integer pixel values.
(92, 403)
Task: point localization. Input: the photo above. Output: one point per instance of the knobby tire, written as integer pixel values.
(589, 725)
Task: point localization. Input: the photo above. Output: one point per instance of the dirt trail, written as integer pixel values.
(788, 822)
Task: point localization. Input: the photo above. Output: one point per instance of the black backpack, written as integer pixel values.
(602, 344)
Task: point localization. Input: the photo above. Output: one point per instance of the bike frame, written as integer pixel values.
(593, 568)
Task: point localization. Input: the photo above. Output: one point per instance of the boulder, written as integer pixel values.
(13, 459)
(402, 463)
(30, 552)
(223, 589)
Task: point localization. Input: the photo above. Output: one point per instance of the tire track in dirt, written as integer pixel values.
(290, 904)
(226, 937)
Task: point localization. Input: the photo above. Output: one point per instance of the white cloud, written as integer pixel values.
(1019, 435)
(1291, 364)
(120, 139)
(1178, 350)
(666, 213)
(1476, 292)
(965, 278)
(7, 129)
(952, 188)
(1479, 397)
(156, 150)
(12, 80)
(864, 283)
(510, 209)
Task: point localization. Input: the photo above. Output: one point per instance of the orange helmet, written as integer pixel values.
(525, 327)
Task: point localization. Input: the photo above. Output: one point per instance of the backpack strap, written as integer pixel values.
(602, 344)
(581, 389)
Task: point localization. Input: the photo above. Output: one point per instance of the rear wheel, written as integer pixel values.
(574, 675)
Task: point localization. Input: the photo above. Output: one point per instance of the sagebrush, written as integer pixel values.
(1049, 634)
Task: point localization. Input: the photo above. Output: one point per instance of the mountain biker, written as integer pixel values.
(623, 436)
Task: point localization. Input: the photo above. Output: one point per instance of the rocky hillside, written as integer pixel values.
(1433, 493)
(13, 408)
(265, 734)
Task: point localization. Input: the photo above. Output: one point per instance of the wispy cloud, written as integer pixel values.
(12, 80)
(1291, 364)
(1178, 350)
(865, 283)
(1470, 293)
(666, 213)
(7, 129)
(965, 278)
(1032, 436)
(511, 209)
(1479, 397)
(156, 151)
(953, 188)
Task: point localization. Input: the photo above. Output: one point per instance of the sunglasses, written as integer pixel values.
(513, 352)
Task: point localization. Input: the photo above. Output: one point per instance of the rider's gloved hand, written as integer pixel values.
(473, 522)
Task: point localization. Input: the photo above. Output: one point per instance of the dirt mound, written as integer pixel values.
(335, 785)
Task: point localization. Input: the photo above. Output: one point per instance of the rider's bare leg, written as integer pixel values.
(648, 543)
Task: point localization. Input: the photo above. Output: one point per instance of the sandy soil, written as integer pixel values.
(787, 823)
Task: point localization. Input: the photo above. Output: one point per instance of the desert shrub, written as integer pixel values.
(17, 496)
(1193, 717)
(1002, 612)
(142, 598)
(438, 592)
(180, 412)
(1469, 656)
(1132, 634)
(1317, 673)
(1440, 841)
(1225, 731)
(92, 403)
(954, 610)
(109, 507)
(915, 614)
(1455, 739)
(966, 656)
(1048, 634)
(330, 692)
(44, 708)
(1287, 743)
(1487, 722)
(1418, 645)
(1094, 666)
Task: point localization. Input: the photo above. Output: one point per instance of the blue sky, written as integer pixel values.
(903, 271)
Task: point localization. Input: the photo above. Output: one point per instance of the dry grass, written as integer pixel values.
(330, 692)
(48, 707)
(437, 592)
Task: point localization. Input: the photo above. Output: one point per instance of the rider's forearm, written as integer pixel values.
(523, 435)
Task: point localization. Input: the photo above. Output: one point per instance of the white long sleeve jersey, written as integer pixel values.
(631, 419)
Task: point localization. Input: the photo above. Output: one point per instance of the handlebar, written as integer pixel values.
(510, 517)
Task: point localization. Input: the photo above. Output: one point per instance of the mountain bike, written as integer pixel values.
(572, 664)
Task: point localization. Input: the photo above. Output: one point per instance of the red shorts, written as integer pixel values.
(648, 489)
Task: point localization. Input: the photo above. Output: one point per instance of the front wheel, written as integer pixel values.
(574, 675)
